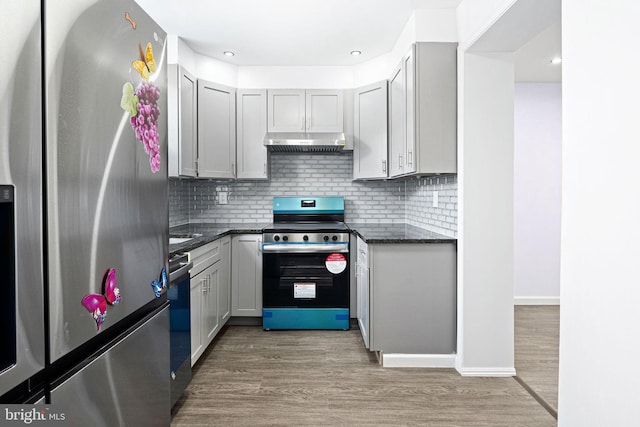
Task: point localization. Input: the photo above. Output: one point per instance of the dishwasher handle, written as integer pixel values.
(182, 271)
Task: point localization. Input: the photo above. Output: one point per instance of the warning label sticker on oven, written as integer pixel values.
(304, 290)
(336, 263)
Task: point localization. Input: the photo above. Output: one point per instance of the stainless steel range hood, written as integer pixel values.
(304, 142)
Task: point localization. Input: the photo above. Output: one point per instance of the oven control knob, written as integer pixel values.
(285, 238)
(326, 238)
(334, 238)
(276, 238)
(305, 238)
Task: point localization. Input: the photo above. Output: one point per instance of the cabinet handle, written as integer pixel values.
(233, 169)
(400, 165)
(384, 166)
(410, 158)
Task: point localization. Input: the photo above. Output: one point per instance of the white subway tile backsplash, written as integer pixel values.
(302, 174)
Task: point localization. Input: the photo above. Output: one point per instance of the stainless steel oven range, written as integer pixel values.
(305, 279)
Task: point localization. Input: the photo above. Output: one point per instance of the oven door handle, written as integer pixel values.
(305, 247)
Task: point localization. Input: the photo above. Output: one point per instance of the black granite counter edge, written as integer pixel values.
(207, 234)
(369, 232)
(397, 233)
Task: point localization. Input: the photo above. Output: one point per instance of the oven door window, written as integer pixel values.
(303, 280)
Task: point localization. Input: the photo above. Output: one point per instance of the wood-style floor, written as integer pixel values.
(250, 377)
(537, 335)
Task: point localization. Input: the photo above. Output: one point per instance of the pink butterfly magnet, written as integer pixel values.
(97, 304)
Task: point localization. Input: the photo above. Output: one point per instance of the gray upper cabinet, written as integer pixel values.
(183, 142)
(370, 131)
(297, 110)
(286, 110)
(252, 155)
(422, 111)
(216, 130)
(323, 110)
(397, 122)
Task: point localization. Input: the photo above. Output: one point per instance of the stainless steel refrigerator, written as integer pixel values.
(83, 165)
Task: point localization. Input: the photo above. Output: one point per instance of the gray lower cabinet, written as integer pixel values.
(370, 131)
(246, 275)
(210, 293)
(216, 130)
(224, 294)
(362, 290)
(412, 297)
(252, 156)
(423, 111)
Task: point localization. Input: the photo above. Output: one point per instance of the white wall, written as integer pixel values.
(538, 141)
(485, 203)
(600, 254)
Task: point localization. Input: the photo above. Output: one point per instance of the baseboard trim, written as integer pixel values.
(536, 300)
(400, 360)
(487, 372)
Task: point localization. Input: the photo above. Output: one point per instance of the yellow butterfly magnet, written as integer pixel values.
(147, 63)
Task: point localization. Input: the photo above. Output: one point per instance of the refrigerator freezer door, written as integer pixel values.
(107, 184)
(21, 303)
(119, 387)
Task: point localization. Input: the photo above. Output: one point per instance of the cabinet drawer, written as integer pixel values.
(204, 256)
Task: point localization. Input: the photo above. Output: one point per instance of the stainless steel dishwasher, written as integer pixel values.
(180, 324)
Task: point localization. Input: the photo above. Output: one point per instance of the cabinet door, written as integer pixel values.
(370, 131)
(252, 128)
(210, 319)
(246, 275)
(436, 107)
(216, 130)
(224, 287)
(363, 290)
(324, 111)
(285, 110)
(408, 69)
(397, 122)
(187, 108)
(196, 297)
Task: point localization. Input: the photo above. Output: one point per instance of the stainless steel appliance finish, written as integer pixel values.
(105, 212)
(106, 208)
(293, 242)
(119, 387)
(295, 142)
(22, 340)
(179, 296)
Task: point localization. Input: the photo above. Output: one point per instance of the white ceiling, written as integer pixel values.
(318, 32)
(288, 32)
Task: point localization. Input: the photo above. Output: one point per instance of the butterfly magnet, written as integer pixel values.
(147, 63)
(160, 285)
(96, 304)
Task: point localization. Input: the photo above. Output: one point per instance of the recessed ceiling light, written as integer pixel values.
(356, 52)
(556, 60)
(229, 53)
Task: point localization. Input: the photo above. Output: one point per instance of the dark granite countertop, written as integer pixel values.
(204, 233)
(397, 233)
